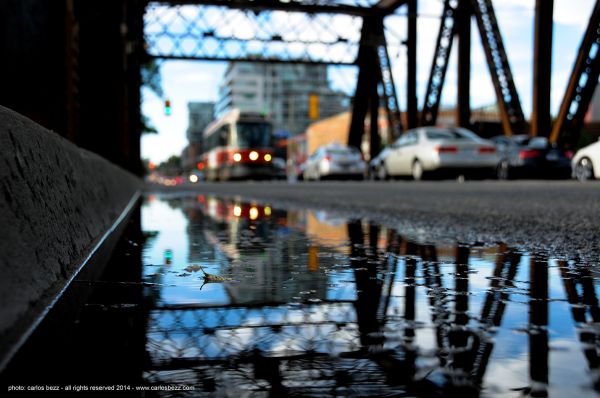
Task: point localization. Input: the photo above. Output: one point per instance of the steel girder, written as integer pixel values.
(225, 34)
(582, 84)
(439, 66)
(542, 68)
(506, 92)
(374, 77)
(511, 113)
(357, 7)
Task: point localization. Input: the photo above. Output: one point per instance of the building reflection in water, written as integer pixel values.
(320, 305)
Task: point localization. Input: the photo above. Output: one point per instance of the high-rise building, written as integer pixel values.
(200, 115)
(279, 91)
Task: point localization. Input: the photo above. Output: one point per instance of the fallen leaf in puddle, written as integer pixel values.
(207, 277)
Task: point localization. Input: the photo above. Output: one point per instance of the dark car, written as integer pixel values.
(522, 156)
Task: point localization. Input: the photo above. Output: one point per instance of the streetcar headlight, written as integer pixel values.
(238, 156)
(253, 155)
(253, 213)
(267, 158)
(237, 211)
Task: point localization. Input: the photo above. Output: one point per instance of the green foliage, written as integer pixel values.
(171, 166)
(151, 77)
(147, 127)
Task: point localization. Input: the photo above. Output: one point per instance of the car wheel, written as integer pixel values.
(503, 170)
(417, 170)
(584, 170)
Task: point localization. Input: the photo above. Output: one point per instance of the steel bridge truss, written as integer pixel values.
(352, 33)
(497, 60)
(581, 87)
(322, 32)
(266, 31)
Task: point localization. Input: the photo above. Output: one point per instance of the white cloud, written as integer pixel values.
(569, 12)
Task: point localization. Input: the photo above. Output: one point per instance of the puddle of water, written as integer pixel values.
(316, 305)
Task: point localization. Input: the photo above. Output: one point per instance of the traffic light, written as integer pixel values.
(167, 108)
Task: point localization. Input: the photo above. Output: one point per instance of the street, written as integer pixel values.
(561, 217)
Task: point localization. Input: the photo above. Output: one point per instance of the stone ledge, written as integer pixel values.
(56, 202)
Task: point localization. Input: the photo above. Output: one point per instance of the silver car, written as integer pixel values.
(422, 151)
(335, 161)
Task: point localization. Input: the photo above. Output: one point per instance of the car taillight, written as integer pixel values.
(487, 149)
(529, 153)
(327, 158)
(446, 149)
(569, 154)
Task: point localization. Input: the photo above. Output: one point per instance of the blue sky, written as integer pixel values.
(185, 81)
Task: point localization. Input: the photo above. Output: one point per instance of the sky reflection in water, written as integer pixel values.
(324, 305)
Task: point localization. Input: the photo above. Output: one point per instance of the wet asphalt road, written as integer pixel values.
(558, 217)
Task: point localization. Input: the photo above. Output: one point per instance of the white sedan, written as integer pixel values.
(426, 150)
(586, 162)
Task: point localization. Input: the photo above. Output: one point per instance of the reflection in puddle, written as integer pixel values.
(307, 304)
(319, 306)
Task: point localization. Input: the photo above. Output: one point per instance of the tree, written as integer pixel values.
(151, 79)
(171, 166)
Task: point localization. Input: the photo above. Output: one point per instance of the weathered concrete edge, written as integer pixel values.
(57, 202)
(102, 244)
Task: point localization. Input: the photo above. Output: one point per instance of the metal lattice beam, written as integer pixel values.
(439, 65)
(221, 33)
(511, 113)
(582, 84)
(349, 7)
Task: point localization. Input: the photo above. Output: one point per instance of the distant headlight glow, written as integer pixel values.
(237, 211)
(253, 213)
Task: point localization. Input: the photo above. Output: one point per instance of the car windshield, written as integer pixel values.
(538, 142)
(520, 139)
(254, 134)
(448, 135)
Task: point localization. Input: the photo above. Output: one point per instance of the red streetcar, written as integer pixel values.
(238, 146)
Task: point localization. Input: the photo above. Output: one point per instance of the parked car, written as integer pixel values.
(375, 169)
(424, 151)
(586, 162)
(335, 161)
(530, 157)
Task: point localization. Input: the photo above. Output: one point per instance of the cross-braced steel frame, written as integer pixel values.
(309, 32)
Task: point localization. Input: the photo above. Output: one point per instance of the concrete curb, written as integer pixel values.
(56, 202)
